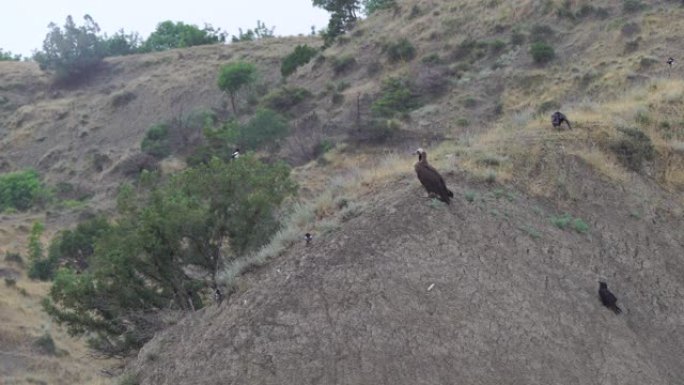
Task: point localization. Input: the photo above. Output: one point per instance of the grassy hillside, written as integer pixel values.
(540, 214)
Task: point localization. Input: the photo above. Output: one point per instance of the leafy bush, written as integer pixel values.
(284, 98)
(517, 38)
(46, 344)
(72, 52)
(21, 190)
(396, 97)
(566, 220)
(633, 148)
(265, 128)
(402, 50)
(156, 141)
(9, 56)
(542, 53)
(261, 31)
(121, 43)
(169, 35)
(203, 218)
(235, 76)
(301, 55)
(370, 6)
(342, 64)
(14, 258)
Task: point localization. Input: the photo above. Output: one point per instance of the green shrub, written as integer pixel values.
(169, 35)
(370, 6)
(542, 53)
(517, 38)
(46, 344)
(10, 281)
(562, 221)
(235, 76)
(301, 55)
(261, 31)
(14, 258)
(633, 148)
(342, 64)
(8, 56)
(156, 141)
(284, 98)
(121, 43)
(264, 129)
(402, 50)
(580, 226)
(396, 98)
(72, 52)
(379, 130)
(496, 46)
(20, 190)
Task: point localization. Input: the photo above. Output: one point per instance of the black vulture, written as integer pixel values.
(607, 298)
(430, 178)
(557, 118)
(218, 296)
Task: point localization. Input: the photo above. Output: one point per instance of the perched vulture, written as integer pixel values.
(430, 178)
(557, 118)
(218, 296)
(607, 298)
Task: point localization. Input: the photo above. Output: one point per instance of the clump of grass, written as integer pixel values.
(14, 258)
(470, 196)
(580, 225)
(531, 231)
(567, 221)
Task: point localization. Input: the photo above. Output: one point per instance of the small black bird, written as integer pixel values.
(236, 154)
(670, 61)
(558, 118)
(607, 298)
(218, 296)
(308, 238)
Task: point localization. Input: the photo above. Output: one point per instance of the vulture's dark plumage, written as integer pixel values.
(430, 178)
(607, 298)
(558, 118)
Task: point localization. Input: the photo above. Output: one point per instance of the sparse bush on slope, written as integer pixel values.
(202, 218)
(301, 55)
(20, 190)
(73, 51)
(235, 76)
(170, 35)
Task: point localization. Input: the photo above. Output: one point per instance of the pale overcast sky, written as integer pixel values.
(24, 22)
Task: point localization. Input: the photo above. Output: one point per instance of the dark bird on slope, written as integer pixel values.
(430, 178)
(557, 118)
(218, 296)
(236, 154)
(670, 61)
(308, 238)
(607, 298)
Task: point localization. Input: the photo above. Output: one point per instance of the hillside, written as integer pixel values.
(539, 215)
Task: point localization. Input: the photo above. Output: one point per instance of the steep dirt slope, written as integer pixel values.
(486, 292)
